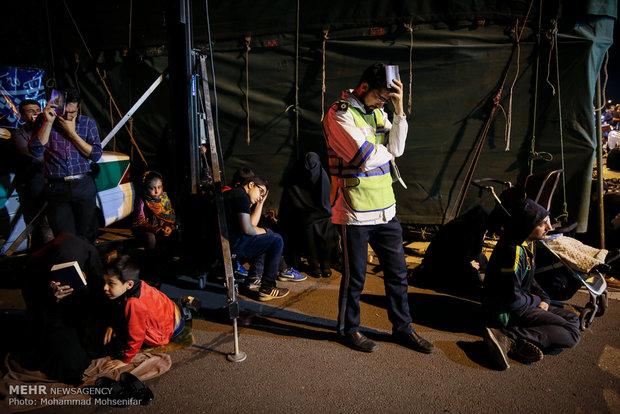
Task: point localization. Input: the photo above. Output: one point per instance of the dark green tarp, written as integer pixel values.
(462, 50)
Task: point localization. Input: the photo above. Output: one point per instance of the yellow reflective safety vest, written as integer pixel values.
(364, 191)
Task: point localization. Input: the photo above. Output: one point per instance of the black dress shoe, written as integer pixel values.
(359, 342)
(414, 341)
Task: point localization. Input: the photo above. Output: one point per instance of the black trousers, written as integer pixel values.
(387, 242)
(30, 186)
(72, 206)
(554, 328)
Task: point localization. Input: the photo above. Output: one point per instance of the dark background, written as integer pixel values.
(461, 50)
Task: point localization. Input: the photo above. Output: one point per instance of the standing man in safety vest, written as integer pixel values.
(362, 145)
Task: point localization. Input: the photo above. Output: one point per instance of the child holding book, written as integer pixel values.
(142, 315)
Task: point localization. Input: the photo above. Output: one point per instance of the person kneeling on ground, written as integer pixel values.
(521, 322)
(144, 315)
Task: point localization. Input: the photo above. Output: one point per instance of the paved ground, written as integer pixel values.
(296, 364)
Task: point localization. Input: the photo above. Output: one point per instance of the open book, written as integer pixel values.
(69, 273)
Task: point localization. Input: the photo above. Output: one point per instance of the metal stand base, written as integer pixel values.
(238, 357)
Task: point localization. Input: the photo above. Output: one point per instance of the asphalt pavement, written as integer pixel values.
(296, 364)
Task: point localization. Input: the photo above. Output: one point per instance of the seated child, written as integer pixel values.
(248, 240)
(154, 217)
(143, 315)
(257, 263)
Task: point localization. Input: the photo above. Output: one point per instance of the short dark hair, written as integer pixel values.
(374, 76)
(124, 267)
(257, 181)
(28, 102)
(241, 175)
(73, 96)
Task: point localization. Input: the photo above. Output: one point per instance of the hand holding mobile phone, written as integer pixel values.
(391, 73)
(58, 98)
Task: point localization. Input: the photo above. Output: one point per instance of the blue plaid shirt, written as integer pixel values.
(60, 157)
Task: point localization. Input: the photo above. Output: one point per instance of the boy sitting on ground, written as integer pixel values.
(143, 315)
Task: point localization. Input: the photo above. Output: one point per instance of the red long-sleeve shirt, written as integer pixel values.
(150, 317)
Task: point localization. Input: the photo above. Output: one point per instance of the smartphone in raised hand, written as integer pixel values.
(391, 73)
(59, 98)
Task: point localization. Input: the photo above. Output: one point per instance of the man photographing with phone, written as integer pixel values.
(68, 144)
(361, 164)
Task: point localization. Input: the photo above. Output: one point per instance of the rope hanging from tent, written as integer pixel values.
(564, 216)
(458, 205)
(518, 36)
(103, 82)
(409, 28)
(130, 21)
(456, 209)
(112, 124)
(248, 39)
(533, 156)
(552, 36)
(49, 35)
(323, 83)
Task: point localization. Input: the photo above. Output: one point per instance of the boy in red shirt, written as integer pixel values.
(145, 315)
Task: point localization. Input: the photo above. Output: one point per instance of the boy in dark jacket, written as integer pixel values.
(146, 316)
(521, 322)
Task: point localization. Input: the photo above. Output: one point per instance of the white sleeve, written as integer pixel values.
(398, 135)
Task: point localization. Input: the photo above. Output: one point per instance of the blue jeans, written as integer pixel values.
(257, 265)
(270, 245)
(387, 242)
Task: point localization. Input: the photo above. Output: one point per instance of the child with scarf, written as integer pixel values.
(154, 217)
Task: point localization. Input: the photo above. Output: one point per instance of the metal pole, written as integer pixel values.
(134, 108)
(599, 163)
(233, 303)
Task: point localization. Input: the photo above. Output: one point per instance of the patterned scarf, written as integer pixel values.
(162, 210)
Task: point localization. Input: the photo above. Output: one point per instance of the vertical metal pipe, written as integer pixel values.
(599, 163)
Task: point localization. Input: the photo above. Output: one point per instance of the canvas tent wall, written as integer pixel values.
(461, 52)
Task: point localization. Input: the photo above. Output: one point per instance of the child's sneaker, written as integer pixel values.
(265, 294)
(240, 271)
(291, 275)
(254, 285)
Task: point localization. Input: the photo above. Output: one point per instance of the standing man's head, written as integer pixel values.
(29, 109)
(71, 108)
(372, 88)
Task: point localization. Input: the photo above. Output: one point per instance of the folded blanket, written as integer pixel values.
(23, 390)
(578, 256)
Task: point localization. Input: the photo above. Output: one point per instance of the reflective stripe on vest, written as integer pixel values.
(364, 190)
